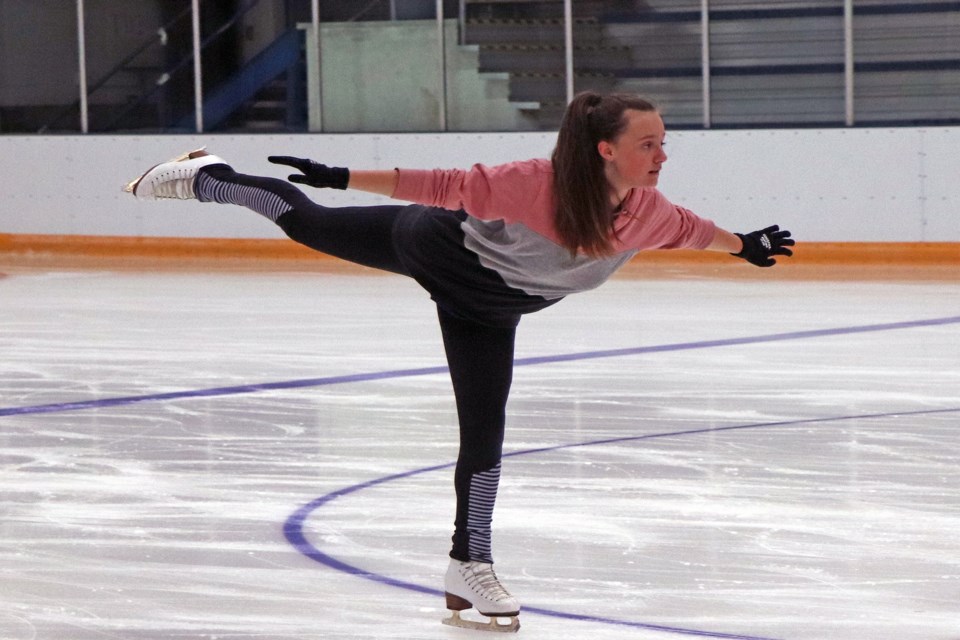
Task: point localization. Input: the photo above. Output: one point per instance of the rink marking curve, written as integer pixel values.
(101, 403)
(294, 533)
(293, 527)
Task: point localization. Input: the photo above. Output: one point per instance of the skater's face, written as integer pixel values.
(634, 158)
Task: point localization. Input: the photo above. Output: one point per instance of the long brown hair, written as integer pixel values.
(583, 220)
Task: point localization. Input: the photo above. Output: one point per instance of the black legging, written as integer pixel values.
(480, 359)
(479, 356)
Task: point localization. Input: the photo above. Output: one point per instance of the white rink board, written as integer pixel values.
(833, 185)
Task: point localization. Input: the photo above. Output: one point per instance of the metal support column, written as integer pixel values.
(82, 48)
(568, 47)
(197, 74)
(705, 60)
(848, 64)
(317, 82)
(442, 43)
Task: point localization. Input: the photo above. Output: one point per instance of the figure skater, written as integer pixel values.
(489, 244)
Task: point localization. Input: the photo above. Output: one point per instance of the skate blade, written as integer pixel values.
(130, 186)
(494, 624)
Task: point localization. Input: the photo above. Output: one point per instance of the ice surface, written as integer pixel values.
(696, 458)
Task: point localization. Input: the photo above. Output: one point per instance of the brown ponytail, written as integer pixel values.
(583, 220)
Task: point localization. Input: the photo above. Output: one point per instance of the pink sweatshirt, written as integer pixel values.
(509, 227)
(521, 192)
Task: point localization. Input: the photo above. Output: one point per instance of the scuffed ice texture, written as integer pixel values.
(834, 512)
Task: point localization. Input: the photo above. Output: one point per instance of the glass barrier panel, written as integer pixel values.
(253, 68)
(490, 65)
(380, 68)
(39, 67)
(777, 63)
(648, 47)
(141, 71)
(133, 51)
(907, 64)
(514, 54)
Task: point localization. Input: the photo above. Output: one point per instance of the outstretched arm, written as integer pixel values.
(509, 191)
(725, 241)
(382, 182)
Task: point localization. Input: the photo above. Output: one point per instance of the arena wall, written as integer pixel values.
(896, 185)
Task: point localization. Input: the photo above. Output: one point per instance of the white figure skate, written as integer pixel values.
(173, 179)
(474, 584)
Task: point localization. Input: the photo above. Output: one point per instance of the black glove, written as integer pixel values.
(759, 246)
(314, 174)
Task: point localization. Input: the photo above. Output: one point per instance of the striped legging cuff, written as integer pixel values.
(483, 495)
(210, 188)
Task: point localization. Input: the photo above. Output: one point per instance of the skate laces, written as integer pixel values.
(481, 578)
(175, 182)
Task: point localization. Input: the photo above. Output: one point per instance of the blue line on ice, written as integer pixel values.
(423, 371)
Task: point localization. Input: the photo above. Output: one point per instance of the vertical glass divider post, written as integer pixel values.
(705, 61)
(441, 42)
(848, 63)
(317, 81)
(197, 73)
(82, 60)
(568, 48)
